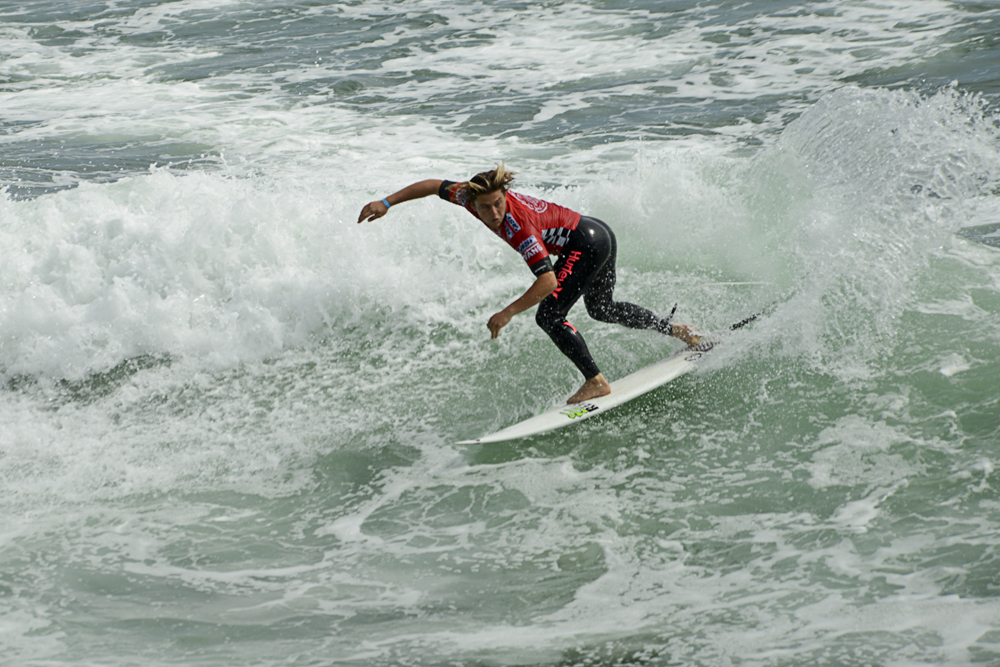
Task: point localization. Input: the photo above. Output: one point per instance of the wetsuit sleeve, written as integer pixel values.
(544, 265)
(532, 251)
(452, 192)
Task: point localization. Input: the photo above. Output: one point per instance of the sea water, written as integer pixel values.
(228, 412)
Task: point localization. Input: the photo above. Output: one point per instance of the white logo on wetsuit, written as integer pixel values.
(536, 205)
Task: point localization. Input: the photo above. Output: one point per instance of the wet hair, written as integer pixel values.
(489, 181)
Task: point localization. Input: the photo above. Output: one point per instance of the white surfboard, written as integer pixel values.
(624, 390)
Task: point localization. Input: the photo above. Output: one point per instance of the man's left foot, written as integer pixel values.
(592, 388)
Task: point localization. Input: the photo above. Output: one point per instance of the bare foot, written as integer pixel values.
(592, 388)
(687, 333)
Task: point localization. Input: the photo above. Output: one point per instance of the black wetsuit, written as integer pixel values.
(586, 268)
(586, 248)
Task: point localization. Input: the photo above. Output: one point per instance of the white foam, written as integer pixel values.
(111, 90)
(953, 365)
(278, 336)
(857, 451)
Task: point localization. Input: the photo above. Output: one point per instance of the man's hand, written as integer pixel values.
(541, 288)
(498, 322)
(372, 211)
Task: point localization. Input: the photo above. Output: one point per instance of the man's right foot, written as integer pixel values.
(592, 388)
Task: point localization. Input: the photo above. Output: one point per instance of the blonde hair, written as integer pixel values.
(489, 181)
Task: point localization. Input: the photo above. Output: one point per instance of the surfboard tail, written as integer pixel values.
(710, 340)
(742, 323)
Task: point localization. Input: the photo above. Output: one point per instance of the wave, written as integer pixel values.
(846, 210)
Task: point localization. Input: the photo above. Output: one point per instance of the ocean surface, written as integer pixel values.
(228, 413)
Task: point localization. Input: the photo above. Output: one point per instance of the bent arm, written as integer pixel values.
(541, 288)
(376, 209)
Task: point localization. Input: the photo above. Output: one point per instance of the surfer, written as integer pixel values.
(540, 230)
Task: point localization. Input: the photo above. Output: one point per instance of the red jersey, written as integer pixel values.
(533, 227)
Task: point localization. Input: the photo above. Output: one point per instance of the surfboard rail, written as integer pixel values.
(623, 390)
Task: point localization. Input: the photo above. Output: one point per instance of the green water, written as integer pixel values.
(228, 413)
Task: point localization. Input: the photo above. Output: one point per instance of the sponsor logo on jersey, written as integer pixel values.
(457, 194)
(510, 226)
(536, 205)
(529, 247)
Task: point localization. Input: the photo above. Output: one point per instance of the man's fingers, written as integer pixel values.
(371, 212)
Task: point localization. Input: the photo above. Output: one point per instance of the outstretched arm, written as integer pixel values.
(376, 209)
(541, 288)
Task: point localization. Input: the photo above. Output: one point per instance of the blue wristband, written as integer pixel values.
(387, 204)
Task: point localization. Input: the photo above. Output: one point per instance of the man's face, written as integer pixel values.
(492, 207)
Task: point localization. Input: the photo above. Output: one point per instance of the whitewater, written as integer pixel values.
(228, 413)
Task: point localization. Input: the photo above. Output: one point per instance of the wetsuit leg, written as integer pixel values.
(586, 267)
(599, 296)
(577, 262)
